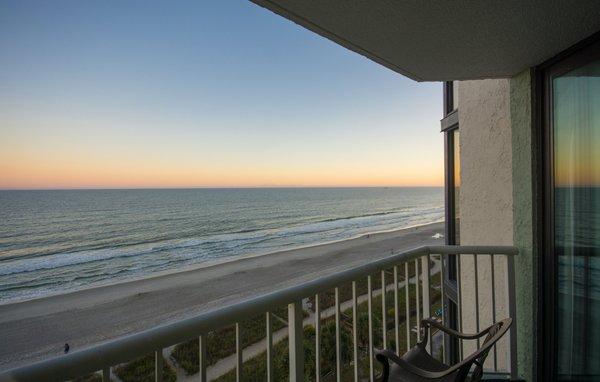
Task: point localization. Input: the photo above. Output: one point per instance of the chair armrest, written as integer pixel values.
(430, 322)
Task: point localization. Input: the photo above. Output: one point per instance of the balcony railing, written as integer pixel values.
(400, 273)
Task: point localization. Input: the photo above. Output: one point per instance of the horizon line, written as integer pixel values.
(205, 187)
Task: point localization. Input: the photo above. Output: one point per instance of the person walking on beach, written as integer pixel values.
(67, 347)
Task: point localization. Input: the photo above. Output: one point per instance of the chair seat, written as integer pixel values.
(419, 357)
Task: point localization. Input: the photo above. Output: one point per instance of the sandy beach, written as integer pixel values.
(37, 329)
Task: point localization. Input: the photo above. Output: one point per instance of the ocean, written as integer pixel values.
(58, 241)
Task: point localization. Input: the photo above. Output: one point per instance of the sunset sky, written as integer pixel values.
(201, 94)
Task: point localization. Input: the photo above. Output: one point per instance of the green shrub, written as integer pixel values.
(142, 370)
(221, 343)
(255, 369)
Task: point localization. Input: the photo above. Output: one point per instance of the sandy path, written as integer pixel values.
(38, 329)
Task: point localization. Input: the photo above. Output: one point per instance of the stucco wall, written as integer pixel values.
(525, 215)
(486, 200)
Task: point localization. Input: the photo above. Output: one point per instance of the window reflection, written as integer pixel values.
(576, 131)
(456, 186)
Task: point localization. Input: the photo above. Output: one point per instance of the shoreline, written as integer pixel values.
(205, 264)
(37, 329)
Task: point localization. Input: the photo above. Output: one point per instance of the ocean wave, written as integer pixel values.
(39, 276)
(359, 216)
(247, 238)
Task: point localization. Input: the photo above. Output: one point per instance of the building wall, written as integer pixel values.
(498, 196)
(525, 194)
(486, 201)
(486, 198)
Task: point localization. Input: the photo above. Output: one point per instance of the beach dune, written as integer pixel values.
(38, 329)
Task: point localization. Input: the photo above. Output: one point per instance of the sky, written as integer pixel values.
(128, 94)
(577, 127)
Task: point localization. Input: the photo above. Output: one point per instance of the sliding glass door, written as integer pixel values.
(573, 118)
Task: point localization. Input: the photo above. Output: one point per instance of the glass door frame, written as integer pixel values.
(449, 125)
(582, 53)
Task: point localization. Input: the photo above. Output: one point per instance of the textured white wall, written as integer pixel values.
(485, 199)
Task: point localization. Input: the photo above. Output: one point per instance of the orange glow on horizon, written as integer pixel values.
(74, 175)
(61, 163)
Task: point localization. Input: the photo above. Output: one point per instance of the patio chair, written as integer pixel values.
(419, 366)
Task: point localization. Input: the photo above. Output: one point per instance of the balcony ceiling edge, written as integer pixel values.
(433, 40)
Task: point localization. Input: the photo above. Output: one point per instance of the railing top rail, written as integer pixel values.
(125, 348)
(472, 250)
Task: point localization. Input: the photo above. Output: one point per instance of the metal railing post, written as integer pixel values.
(459, 304)
(158, 365)
(407, 304)
(338, 344)
(296, 349)
(202, 357)
(317, 339)
(418, 299)
(269, 348)
(476, 277)
(383, 312)
(425, 260)
(512, 312)
(396, 311)
(493, 288)
(355, 330)
(238, 352)
(442, 279)
(370, 308)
